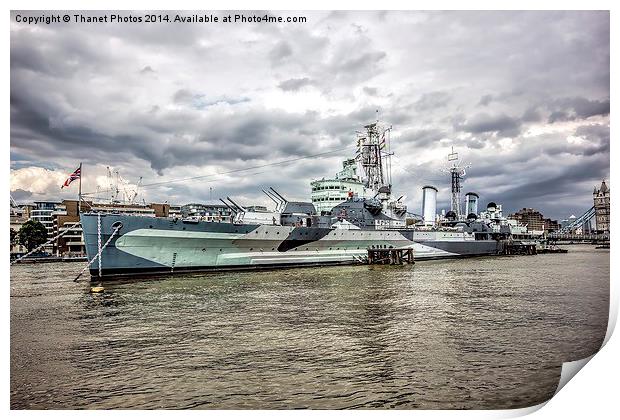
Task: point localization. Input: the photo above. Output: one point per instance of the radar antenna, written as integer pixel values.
(457, 172)
(371, 153)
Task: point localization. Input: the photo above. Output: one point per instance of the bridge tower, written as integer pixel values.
(601, 207)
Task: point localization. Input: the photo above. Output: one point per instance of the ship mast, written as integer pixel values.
(371, 154)
(457, 172)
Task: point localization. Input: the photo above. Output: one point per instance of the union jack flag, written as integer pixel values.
(75, 175)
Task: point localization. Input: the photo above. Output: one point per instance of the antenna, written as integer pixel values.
(457, 172)
(371, 156)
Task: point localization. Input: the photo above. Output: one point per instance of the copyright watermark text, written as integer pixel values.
(171, 18)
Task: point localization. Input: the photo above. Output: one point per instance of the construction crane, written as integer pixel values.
(133, 193)
(121, 189)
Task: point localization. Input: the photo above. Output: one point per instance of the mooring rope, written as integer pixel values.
(100, 249)
(99, 241)
(46, 243)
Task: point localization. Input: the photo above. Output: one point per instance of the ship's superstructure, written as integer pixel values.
(327, 193)
(348, 215)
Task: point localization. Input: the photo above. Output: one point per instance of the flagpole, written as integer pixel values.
(80, 192)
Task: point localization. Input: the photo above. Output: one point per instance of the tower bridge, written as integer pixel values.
(599, 213)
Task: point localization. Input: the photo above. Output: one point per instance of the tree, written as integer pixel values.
(32, 234)
(13, 236)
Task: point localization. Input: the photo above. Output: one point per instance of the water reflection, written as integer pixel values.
(477, 333)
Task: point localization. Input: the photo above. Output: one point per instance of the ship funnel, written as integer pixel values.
(471, 203)
(429, 204)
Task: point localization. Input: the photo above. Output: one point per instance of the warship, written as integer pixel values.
(348, 215)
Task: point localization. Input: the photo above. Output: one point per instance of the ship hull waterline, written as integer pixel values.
(147, 245)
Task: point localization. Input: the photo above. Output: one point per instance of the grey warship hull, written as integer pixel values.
(143, 245)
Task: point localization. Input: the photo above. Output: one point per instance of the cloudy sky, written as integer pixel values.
(522, 96)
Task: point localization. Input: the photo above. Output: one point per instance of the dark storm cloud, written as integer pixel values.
(486, 123)
(569, 109)
(250, 136)
(599, 138)
(553, 187)
(531, 115)
(421, 138)
(151, 100)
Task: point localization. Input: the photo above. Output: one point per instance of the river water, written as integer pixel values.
(475, 333)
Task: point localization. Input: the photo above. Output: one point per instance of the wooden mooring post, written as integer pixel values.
(390, 256)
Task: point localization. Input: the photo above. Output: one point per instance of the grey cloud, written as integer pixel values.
(295, 84)
(566, 109)
(531, 115)
(20, 194)
(280, 51)
(485, 100)
(432, 100)
(74, 98)
(200, 101)
(183, 96)
(361, 61)
(558, 116)
(147, 70)
(485, 123)
(421, 138)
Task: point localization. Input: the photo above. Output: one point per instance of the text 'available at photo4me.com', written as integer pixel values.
(120, 18)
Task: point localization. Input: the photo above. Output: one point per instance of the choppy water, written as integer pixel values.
(475, 333)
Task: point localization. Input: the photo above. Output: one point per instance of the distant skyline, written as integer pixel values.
(522, 96)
